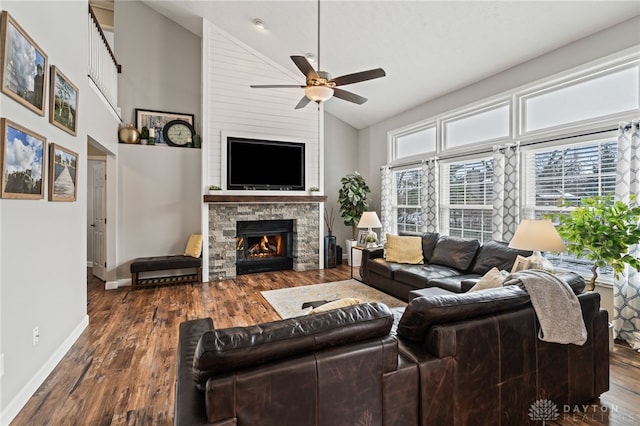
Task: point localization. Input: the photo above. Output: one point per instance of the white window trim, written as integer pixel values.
(394, 135)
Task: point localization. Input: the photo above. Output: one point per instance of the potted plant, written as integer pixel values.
(602, 231)
(214, 188)
(314, 189)
(352, 198)
(144, 135)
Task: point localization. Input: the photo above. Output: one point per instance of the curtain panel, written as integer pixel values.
(626, 289)
(506, 191)
(386, 201)
(429, 195)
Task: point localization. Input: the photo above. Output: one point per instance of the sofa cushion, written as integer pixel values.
(496, 254)
(404, 249)
(492, 279)
(454, 283)
(424, 312)
(340, 303)
(420, 276)
(225, 350)
(455, 252)
(384, 268)
(194, 246)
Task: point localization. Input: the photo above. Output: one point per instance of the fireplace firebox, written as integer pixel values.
(264, 245)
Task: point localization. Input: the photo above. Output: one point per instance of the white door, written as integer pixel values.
(99, 220)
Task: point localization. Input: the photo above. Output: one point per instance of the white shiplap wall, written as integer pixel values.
(232, 107)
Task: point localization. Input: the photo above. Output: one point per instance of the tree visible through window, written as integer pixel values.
(408, 208)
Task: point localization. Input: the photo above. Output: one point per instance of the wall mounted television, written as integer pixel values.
(256, 164)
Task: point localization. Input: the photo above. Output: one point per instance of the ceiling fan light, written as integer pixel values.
(318, 93)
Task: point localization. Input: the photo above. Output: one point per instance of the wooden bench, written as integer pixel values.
(165, 263)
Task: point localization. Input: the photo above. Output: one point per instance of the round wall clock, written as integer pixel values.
(178, 133)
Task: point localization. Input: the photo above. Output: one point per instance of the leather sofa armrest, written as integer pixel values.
(466, 285)
(374, 253)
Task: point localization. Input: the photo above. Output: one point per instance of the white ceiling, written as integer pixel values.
(427, 48)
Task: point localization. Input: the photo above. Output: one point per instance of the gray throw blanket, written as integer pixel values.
(556, 307)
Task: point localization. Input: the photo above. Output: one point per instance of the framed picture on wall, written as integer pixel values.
(63, 102)
(63, 174)
(22, 161)
(23, 66)
(156, 120)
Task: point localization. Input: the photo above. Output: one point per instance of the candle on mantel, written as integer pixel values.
(152, 132)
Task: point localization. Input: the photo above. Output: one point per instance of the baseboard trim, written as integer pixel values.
(114, 285)
(21, 399)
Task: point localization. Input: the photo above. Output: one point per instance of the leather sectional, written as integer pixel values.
(458, 359)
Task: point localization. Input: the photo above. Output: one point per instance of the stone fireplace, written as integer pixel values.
(303, 243)
(264, 245)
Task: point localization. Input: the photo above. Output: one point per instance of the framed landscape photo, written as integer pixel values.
(23, 66)
(156, 120)
(63, 174)
(22, 154)
(63, 102)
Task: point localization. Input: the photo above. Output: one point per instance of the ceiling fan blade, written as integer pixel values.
(275, 86)
(348, 96)
(359, 76)
(304, 66)
(303, 102)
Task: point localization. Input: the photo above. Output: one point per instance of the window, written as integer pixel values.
(468, 199)
(479, 126)
(570, 173)
(407, 206)
(415, 142)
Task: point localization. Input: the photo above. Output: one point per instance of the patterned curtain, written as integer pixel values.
(626, 289)
(386, 201)
(429, 195)
(506, 191)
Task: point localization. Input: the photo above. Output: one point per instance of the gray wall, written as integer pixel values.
(340, 159)
(373, 140)
(43, 244)
(159, 189)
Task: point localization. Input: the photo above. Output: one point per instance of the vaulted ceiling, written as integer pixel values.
(427, 48)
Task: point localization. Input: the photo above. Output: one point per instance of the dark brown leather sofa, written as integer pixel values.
(457, 359)
(451, 263)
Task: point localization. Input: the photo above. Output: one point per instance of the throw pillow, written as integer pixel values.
(404, 249)
(340, 303)
(194, 246)
(492, 279)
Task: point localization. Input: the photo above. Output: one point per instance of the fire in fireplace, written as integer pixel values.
(264, 245)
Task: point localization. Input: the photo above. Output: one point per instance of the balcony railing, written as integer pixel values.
(103, 66)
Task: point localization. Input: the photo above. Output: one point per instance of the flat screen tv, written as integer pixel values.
(265, 165)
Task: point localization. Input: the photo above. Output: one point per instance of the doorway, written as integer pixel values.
(97, 239)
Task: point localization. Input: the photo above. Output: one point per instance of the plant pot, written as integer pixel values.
(353, 256)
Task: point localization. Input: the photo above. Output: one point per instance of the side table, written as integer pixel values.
(357, 276)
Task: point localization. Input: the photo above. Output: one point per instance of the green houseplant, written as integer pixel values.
(601, 230)
(352, 198)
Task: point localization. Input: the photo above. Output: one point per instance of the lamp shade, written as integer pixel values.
(318, 93)
(369, 220)
(537, 235)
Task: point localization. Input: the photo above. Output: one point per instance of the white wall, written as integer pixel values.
(341, 158)
(159, 192)
(43, 244)
(373, 140)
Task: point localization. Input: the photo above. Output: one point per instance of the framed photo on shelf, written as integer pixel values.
(22, 162)
(362, 238)
(23, 66)
(156, 120)
(63, 174)
(63, 102)
(521, 263)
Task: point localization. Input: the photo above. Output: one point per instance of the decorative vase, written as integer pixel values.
(330, 254)
(129, 134)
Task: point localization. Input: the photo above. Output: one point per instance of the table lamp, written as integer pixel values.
(537, 235)
(370, 220)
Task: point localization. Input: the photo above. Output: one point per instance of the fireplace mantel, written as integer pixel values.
(208, 198)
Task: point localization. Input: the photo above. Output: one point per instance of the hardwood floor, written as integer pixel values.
(121, 370)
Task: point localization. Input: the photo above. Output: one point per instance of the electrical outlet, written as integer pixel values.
(36, 336)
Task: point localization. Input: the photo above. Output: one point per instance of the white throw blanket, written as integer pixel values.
(556, 306)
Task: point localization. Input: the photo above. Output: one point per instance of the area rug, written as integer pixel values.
(288, 301)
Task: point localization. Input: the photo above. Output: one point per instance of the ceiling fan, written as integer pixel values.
(319, 86)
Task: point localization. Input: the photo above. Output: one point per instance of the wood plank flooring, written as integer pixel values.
(121, 370)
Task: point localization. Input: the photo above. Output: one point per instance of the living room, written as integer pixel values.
(60, 302)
